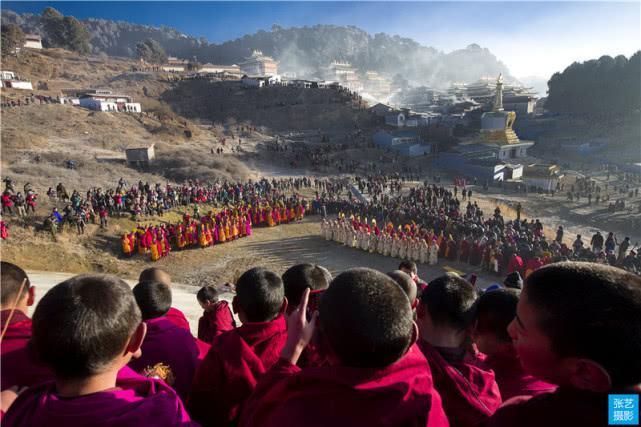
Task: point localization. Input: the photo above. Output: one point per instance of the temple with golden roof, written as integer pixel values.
(497, 132)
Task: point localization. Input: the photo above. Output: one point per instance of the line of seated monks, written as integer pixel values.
(360, 349)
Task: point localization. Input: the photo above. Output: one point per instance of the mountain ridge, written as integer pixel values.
(305, 50)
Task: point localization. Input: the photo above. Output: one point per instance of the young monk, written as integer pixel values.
(155, 274)
(377, 376)
(410, 268)
(217, 317)
(445, 316)
(165, 342)
(237, 358)
(494, 312)
(296, 279)
(19, 366)
(86, 329)
(577, 325)
(406, 283)
(304, 276)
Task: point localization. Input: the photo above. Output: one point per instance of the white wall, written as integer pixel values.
(173, 69)
(33, 44)
(21, 85)
(98, 105)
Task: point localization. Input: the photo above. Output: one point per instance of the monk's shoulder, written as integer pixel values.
(521, 411)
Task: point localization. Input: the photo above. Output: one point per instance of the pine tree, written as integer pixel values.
(12, 38)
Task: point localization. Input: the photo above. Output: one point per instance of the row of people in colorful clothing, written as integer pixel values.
(407, 242)
(414, 243)
(207, 230)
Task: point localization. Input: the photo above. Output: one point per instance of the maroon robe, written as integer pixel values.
(19, 364)
(215, 322)
(173, 346)
(564, 407)
(465, 251)
(178, 318)
(231, 369)
(511, 378)
(475, 254)
(203, 349)
(452, 248)
(134, 402)
(470, 393)
(401, 394)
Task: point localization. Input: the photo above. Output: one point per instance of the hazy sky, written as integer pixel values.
(531, 38)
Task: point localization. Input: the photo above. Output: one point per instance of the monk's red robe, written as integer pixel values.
(18, 332)
(561, 408)
(134, 402)
(531, 266)
(401, 394)
(173, 346)
(203, 349)
(20, 367)
(215, 322)
(470, 393)
(476, 254)
(231, 369)
(465, 251)
(515, 264)
(511, 378)
(178, 318)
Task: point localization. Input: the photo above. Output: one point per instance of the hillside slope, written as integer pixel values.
(37, 140)
(277, 107)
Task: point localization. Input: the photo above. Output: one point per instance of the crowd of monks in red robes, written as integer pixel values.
(251, 375)
(214, 228)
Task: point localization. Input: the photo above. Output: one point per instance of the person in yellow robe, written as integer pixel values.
(234, 229)
(270, 217)
(222, 237)
(208, 236)
(155, 256)
(126, 245)
(228, 230)
(202, 240)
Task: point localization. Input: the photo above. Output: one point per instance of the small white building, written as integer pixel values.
(173, 68)
(175, 65)
(109, 102)
(32, 41)
(20, 84)
(140, 156)
(544, 176)
(232, 70)
(11, 80)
